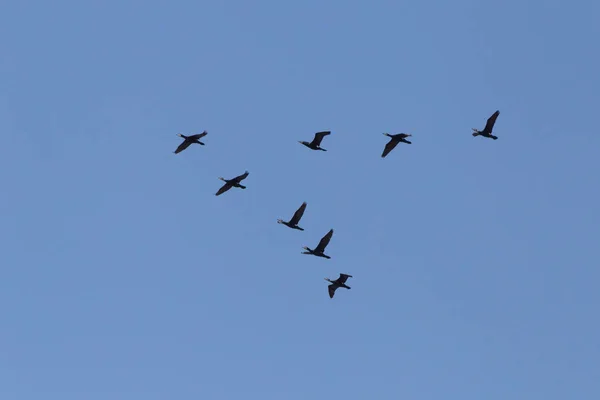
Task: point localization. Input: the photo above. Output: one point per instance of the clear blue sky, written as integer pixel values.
(475, 262)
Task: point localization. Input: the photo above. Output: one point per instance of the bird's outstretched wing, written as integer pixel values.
(343, 278)
(223, 189)
(184, 145)
(324, 242)
(331, 288)
(298, 214)
(240, 178)
(389, 147)
(490, 122)
(404, 135)
(198, 135)
(319, 137)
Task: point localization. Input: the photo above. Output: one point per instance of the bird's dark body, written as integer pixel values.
(394, 140)
(188, 140)
(292, 226)
(317, 254)
(235, 182)
(293, 223)
(338, 283)
(489, 127)
(319, 251)
(316, 142)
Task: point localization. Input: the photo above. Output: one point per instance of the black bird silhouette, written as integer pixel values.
(293, 223)
(187, 140)
(319, 250)
(316, 142)
(229, 183)
(338, 283)
(489, 126)
(395, 139)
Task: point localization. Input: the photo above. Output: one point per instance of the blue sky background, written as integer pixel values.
(475, 262)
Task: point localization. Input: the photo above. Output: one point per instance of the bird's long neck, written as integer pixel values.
(182, 136)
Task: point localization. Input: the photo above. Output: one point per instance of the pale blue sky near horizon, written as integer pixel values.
(475, 262)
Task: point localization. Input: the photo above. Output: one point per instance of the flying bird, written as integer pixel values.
(395, 139)
(316, 142)
(187, 140)
(338, 283)
(229, 183)
(489, 126)
(293, 223)
(319, 250)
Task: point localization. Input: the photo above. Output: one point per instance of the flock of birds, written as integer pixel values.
(315, 144)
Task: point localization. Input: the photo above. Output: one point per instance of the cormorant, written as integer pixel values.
(229, 183)
(316, 142)
(187, 140)
(487, 131)
(395, 139)
(338, 283)
(293, 223)
(319, 250)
